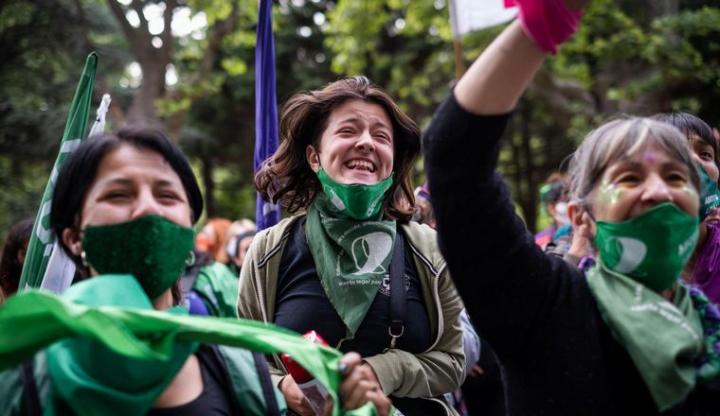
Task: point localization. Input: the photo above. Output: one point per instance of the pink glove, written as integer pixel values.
(548, 22)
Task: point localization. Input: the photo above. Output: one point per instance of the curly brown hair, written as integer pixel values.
(286, 176)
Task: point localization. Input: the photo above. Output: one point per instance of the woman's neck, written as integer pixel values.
(164, 301)
(669, 294)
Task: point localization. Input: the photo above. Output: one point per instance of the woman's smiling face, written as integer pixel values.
(132, 183)
(356, 147)
(632, 186)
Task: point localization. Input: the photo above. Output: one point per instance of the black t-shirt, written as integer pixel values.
(302, 305)
(215, 397)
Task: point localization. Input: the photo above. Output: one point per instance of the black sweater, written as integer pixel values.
(535, 310)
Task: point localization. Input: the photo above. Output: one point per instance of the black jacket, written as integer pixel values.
(535, 310)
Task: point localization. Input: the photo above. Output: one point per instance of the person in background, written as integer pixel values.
(239, 236)
(211, 239)
(554, 199)
(13, 255)
(625, 338)
(423, 208)
(703, 269)
(560, 239)
(352, 266)
(209, 285)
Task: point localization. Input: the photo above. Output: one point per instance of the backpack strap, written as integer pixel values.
(398, 303)
(263, 372)
(30, 395)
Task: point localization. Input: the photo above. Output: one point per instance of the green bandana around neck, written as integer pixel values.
(125, 384)
(352, 257)
(709, 193)
(356, 201)
(662, 338)
(127, 325)
(151, 248)
(651, 248)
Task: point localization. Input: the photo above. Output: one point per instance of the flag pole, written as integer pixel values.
(457, 41)
(459, 63)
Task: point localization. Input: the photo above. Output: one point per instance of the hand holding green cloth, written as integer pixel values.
(80, 367)
(662, 338)
(33, 320)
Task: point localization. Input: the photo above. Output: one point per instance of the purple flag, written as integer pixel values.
(266, 118)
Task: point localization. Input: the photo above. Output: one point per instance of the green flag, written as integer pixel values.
(42, 243)
(34, 320)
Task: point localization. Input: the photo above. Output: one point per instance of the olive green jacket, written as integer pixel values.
(433, 372)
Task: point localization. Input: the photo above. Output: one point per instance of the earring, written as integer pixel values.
(83, 259)
(190, 259)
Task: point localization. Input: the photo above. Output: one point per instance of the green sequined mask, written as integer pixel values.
(151, 248)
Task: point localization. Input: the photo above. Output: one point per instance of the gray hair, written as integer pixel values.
(618, 140)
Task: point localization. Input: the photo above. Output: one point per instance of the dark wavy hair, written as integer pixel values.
(286, 176)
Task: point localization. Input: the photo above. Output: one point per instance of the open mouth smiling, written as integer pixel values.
(360, 164)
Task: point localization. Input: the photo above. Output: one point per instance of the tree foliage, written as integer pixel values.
(636, 57)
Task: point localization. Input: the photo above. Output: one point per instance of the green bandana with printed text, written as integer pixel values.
(352, 257)
(662, 338)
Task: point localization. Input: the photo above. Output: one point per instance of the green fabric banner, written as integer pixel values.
(42, 241)
(34, 320)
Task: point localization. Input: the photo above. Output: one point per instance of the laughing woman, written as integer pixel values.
(345, 159)
(628, 338)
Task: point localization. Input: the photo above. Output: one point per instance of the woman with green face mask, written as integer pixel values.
(627, 338)
(703, 268)
(122, 209)
(344, 166)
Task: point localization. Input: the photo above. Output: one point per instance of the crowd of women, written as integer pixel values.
(612, 311)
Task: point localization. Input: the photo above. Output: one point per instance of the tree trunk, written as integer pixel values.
(661, 8)
(152, 88)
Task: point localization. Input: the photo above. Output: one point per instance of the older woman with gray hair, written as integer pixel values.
(625, 338)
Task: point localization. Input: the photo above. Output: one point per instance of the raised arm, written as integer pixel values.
(498, 78)
(495, 264)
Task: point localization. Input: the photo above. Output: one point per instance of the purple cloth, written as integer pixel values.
(707, 267)
(266, 118)
(195, 304)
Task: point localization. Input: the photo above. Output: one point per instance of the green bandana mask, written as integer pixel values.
(352, 257)
(662, 338)
(151, 248)
(709, 193)
(652, 248)
(356, 201)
